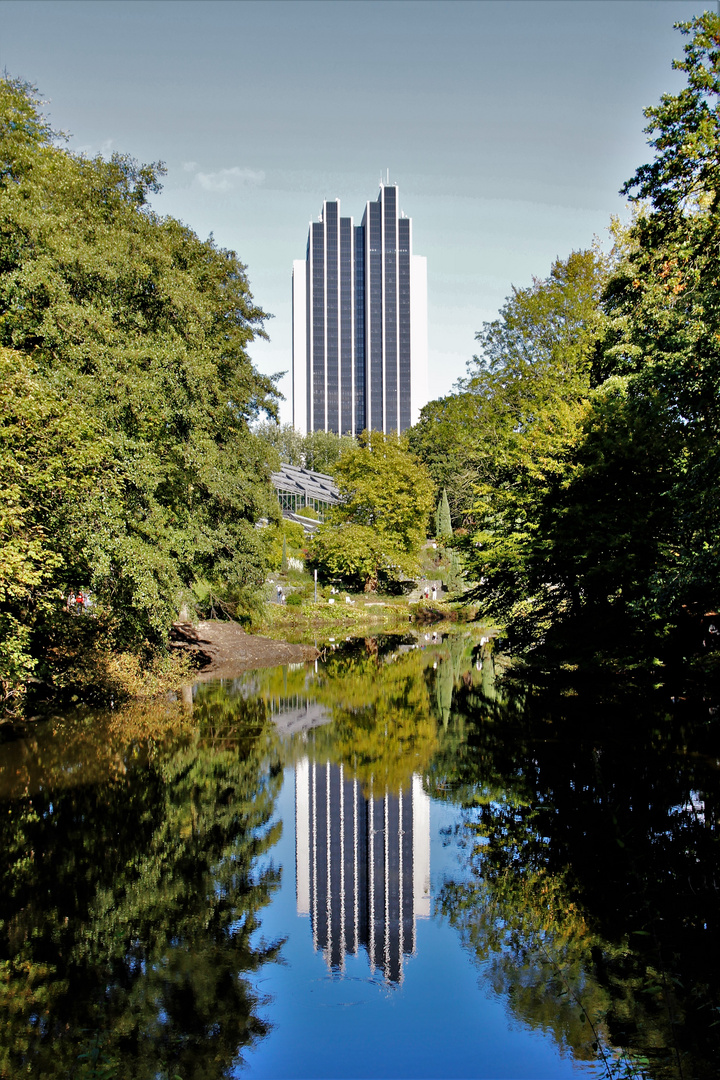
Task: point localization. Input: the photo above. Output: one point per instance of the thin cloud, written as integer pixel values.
(90, 150)
(228, 179)
(189, 166)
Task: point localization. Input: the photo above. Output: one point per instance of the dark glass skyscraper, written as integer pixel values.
(360, 322)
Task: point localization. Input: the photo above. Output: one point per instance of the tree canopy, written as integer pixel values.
(386, 498)
(581, 451)
(128, 335)
(316, 450)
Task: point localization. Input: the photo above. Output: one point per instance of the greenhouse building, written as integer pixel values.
(301, 489)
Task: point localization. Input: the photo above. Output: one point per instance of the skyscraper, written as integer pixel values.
(360, 322)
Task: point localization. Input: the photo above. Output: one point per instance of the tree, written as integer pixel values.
(443, 523)
(598, 500)
(53, 467)
(316, 450)
(384, 486)
(282, 443)
(532, 383)
(386, 497)
(446, 439)
(664, 301)
(323, 450)
(356, 554)
(141, 330)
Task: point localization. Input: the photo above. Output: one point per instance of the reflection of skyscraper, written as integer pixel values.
(363, 866)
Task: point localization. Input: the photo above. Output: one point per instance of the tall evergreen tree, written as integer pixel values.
(444, 530)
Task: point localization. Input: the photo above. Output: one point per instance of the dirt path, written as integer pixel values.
(223, 649)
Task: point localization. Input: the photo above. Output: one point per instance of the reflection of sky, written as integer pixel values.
(440, 1023)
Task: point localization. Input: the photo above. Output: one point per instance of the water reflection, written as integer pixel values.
(131, 901)
(138, 873)
(362, 866)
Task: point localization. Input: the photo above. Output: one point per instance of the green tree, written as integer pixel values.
(386, 497)
(282, 444)
(55, 472)
(141, 330)
(664, 300)
(382, 485)
(448, 440)
(322, 450)
(444, 525)
(317, 450)
(533, 383)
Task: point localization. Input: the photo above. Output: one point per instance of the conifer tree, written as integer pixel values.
(444, 530)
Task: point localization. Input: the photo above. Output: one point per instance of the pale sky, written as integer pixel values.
(509, 126)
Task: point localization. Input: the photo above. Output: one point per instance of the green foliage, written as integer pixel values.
(608, 515)
(357, 554)
(309, 512)
(448, 440)
(382, 485)
(443, 525)
(532, 386)
(281, 443)
(317, 450)
(324, 449)
(134, 332)
(386, 498)
(280, 540)
(664, 301)
(55, 477)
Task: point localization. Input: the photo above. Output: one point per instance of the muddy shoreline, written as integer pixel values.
(223, 649)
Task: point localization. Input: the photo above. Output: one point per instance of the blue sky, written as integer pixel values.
(509, 126)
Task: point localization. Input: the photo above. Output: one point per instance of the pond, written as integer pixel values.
(389, 863)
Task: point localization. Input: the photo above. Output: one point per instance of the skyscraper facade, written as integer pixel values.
(360, 322)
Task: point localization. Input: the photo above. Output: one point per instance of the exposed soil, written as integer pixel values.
(223, 649)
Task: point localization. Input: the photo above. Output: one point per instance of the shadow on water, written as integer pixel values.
(137, 857)
(589, 823)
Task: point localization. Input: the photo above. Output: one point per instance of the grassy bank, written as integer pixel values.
(364, 616)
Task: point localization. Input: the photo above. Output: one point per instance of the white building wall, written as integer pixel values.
(418, 335)
(302, 837)
(421, 848)
(299, 346)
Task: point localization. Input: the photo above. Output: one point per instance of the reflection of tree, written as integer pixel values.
(130, 908)
(524, 926)
(379, 695)
(588, 844)
(383, 728)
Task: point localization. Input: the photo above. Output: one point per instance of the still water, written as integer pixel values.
(391, 863)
